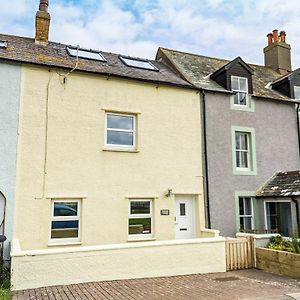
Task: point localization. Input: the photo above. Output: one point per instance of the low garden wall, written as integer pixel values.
(279, 262)
(46, 267)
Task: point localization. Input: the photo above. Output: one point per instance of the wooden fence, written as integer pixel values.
(240, 253)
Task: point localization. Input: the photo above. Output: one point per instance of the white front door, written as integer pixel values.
(184, 217)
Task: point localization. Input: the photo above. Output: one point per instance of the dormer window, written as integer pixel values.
(297, 92)
(239, 85)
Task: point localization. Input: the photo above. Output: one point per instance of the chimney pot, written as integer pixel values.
(44, 5)
(270, 38)
(275, 35)
(282, 36)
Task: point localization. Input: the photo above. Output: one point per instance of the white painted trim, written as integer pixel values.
(133, 131)
(64, 241)
(17, 251)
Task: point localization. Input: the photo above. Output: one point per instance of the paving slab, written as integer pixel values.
(243, 284)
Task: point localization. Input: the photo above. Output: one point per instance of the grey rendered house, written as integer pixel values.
(250, 133)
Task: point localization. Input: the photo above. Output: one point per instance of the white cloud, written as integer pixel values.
(219, 28)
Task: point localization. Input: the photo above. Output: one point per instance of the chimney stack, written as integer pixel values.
(278, 53)
(42, 23)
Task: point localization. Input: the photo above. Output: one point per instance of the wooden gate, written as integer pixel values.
(240, 253)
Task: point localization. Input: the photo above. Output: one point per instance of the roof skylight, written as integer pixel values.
(3, 44)
(85, 53)
(138, 63)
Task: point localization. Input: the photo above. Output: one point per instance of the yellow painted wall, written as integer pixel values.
(169, 154)
(33, 269)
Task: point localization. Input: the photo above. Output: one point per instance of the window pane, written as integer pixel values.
(242, 98)
(65, 209)
(297, 92)
(138, 63)
(140, 207)
(119, 138)
(241, 205)
(243, 86)
(140, 226)
(248, 206)
(241, 141)
(86, 54)
(245, 223)
(119, 122)
(234, 84)
(64, 229)
(241, 159)
(182, 209)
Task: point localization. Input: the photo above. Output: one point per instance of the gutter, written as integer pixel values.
(206, 187)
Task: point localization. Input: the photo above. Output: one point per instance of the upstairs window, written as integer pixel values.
(138, 63)
(84, 53)
(120, 130)
(297, 92)
(242, 150)
(239, 85)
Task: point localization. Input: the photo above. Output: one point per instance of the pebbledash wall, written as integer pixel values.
(70, 131)
(10, 80)
(274, 124)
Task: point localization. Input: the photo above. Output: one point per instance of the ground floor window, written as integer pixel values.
(65, 220)
(245, 213)
(278, 217)
(140, 221)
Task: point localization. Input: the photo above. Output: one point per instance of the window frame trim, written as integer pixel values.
(250, 107)
(65, 218)
(133, 131)
(252, 153)
(145, 236)
(250, 194)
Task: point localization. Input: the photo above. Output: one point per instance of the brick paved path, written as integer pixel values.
(245, 284)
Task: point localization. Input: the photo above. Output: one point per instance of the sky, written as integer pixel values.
(218, 28)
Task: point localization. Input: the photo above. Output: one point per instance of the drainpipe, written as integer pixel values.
(203, 117)
(298, 129)
(297, 212)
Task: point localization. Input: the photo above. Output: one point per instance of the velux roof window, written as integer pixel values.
(85, 53)
(3, 44)
(138, 63)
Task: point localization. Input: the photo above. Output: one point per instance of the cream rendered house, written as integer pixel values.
(109, 180)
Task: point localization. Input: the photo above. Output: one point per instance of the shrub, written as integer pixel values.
(290, 245)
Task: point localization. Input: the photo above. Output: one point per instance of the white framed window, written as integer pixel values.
(245, 213)
(140, 220)
(297, 92)
(120, 130)
(65, 220)
(239, 85)
(242, 150)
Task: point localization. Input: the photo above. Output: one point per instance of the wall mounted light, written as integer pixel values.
(169, 193)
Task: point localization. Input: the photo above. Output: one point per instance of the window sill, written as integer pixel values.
(141, 239)
(121, 150)
(246, 172)
(63, 244)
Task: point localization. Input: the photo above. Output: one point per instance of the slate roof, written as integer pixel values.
(282, 184)
(24, 50)
(197, 70)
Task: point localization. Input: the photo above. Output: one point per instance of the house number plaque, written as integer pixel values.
(165, 212)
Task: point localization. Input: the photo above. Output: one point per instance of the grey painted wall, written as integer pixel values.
(10, 78)
(276, 150)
